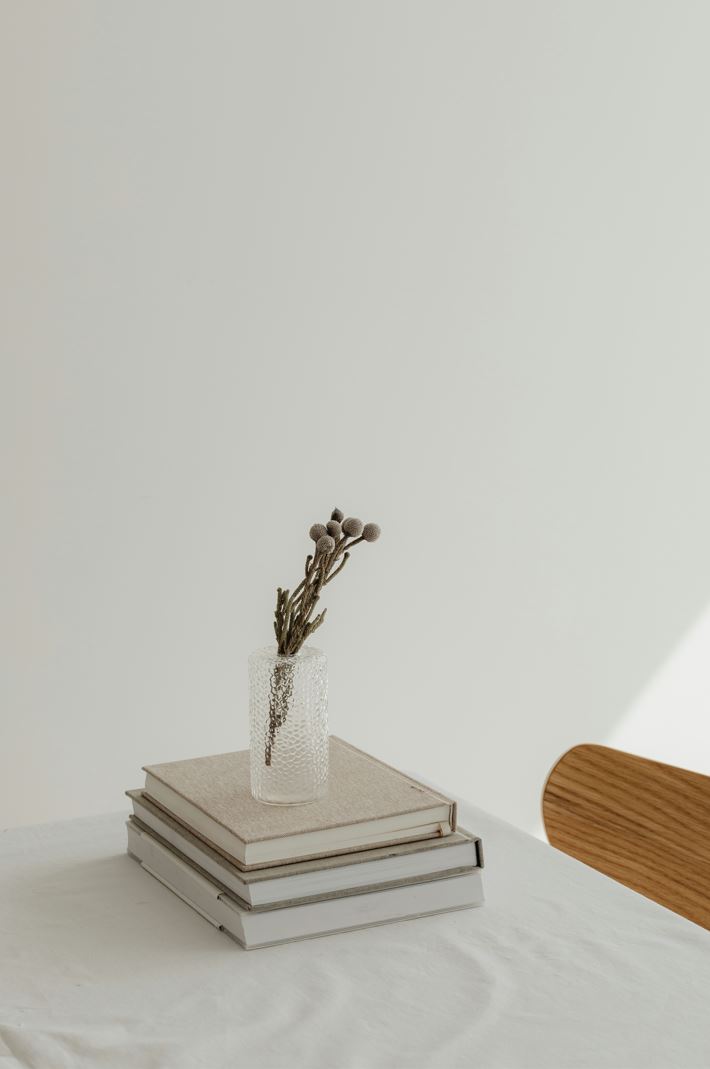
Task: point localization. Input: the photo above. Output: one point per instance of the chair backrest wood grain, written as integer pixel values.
(643, 823)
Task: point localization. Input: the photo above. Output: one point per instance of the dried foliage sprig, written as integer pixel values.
(294, 621)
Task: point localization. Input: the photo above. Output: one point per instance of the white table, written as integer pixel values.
(100, 966)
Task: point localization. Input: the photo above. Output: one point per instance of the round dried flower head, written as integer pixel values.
(371, 532)
(317, 531)
(352, 527)
(325, 544)
(334, 528)
(337, 515)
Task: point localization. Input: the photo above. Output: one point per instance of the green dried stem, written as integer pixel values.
(293, 618)
(340, 567)
(294, 621)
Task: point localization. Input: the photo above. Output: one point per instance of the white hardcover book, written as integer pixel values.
(343, 874)
(254, 929)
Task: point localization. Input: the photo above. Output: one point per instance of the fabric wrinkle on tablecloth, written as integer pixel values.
(102, 968)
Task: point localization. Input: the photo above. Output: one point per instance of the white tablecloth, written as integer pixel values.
(102, 966)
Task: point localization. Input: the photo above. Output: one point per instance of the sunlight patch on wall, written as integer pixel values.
(670, 719)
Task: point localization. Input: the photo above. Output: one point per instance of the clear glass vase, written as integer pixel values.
(288, 718)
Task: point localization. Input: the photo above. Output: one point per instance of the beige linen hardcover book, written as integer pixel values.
(369, 804)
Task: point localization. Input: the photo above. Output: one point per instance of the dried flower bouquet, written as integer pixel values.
(294, 621)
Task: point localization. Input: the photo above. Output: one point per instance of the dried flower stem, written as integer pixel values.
(294, 621)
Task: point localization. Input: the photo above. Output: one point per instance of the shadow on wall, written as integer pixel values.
(670, 721)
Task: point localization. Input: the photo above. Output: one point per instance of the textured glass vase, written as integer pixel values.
(288, 717)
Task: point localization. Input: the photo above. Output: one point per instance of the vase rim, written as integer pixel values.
(271, 653)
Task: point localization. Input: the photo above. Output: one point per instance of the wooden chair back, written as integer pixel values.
(643, 823)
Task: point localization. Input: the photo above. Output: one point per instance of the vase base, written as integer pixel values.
(290, 801)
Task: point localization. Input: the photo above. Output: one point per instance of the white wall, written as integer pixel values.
(442, 264)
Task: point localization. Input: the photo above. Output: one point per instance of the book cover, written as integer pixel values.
(254, 929)
(369, 803)
(313, 880)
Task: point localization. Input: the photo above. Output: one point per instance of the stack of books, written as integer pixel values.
(381, 847)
